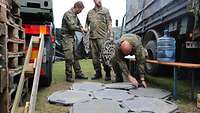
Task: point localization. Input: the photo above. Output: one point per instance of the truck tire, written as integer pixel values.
(46, 80)
(151, 69)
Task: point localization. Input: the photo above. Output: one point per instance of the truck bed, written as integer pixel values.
(149, 13)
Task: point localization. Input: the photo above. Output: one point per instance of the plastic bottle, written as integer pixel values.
(166, 48)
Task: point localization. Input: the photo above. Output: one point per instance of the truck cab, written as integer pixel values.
(37, 16)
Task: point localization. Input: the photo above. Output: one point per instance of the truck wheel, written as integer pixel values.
(151, 69)
(49, 74)
(45, 80)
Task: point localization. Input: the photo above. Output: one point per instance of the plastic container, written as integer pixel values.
(166, 48)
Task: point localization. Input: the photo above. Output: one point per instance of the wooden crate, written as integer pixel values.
(9, 3)
(4, 102)
(21, 47)
(3, 2)
(3, 29)
(15, 31)
(13, 47)
(3, 79)
(21, 34)
(3, 13)
(21, 60)
(13, 63)
(18, 21)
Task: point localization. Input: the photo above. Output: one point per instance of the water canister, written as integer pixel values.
(166, 48)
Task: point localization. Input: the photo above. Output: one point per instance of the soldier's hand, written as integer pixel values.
(82, 29)
(86, 30)
(133, 81)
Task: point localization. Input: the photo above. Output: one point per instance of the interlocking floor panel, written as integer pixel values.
(69, 97)
(151, 92)
(88, 86)
(150, 105)
(98, 106)
(122, 86)
(113, 94)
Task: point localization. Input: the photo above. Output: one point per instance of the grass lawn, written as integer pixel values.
(59, 83)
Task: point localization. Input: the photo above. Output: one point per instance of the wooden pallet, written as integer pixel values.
(12, 51)
(15, 8)
(3, 29)
(3, 12)
(15, 72)
(3, 78)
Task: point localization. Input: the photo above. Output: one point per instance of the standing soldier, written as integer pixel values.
(70, 24)
(129, 45)
(99, 24)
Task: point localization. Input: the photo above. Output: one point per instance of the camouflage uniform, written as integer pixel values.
(70, 24)
(99, 21)
(118, 61)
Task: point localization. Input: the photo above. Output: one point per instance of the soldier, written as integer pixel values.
(99, 24)
(70, 24)
(129, 44)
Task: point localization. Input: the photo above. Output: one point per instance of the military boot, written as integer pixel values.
(108, 76)
(81, 76)
(98, 75)
(69, 79)
(119, 78)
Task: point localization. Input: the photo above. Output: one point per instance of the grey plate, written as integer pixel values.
(150, 92)
(98, 106)
(150, 105)
(88, 86)
(69, 97)
(122, 86)
(113, 94)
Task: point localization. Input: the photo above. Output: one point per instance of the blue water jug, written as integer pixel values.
(166, 48)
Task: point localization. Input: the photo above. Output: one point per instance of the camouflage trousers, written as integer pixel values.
(71, 58)
(96, 45)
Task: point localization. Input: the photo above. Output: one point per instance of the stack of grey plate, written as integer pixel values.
(87, 86)
(113, 94)
(90, 97)
(150, 105)
(120, 86)
(151, 92)
(69, 97)
(99, 106)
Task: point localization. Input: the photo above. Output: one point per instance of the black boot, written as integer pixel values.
(98, 75)
(69, 79)
(81, 76)
(108, 76)
(119, 78)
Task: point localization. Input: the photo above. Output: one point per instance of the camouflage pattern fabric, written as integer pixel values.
(118, 61)
(70, 24)
(107, 52)
(100, 23)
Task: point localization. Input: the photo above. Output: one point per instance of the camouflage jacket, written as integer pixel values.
(99, 21)
(70, 24)
(138, 51)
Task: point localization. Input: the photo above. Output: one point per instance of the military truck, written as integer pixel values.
(149, 19)
(37, 17)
